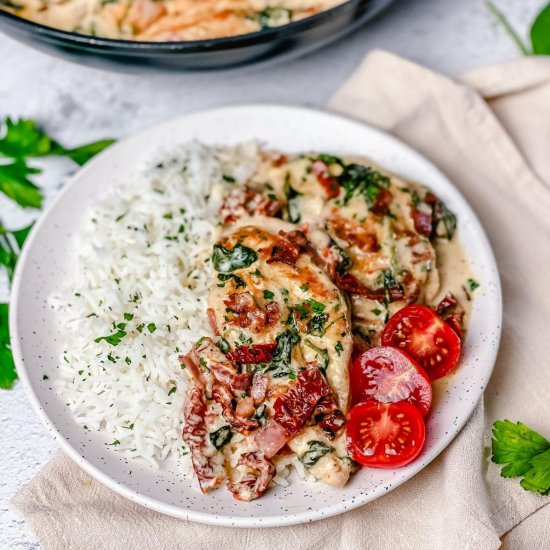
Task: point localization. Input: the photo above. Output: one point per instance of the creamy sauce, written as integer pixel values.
(164, 20)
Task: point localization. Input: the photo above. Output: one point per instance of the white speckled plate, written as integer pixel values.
(37, 340)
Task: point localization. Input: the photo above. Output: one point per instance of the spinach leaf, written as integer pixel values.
(280, 364)
(260, 415)
(221, 437)
(292, 209)
(316, 450)
(345, 261)
(316, 325)
(321, 354)
(226, 276)
(540, 32)
(330, 159)
(444, 219)
(226, 261)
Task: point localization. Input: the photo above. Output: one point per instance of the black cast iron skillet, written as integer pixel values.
(293, 39)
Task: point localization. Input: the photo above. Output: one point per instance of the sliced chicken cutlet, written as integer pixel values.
(279, 369)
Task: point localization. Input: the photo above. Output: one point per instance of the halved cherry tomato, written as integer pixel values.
(385, 435)
(388, 375)
(426, 337)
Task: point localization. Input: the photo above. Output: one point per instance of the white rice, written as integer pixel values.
(142, 261)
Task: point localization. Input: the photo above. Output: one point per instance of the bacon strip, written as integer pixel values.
(209, 473)
(291, 410)
(246, 313)
(255, 482)
(258, 389)
(219, 365)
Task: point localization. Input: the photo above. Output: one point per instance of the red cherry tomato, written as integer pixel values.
(426, 337)
(385, 435)
(388, 375)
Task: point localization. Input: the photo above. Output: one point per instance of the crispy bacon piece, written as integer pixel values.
(260, 472)
(223, 395)
(422, 221)
(193, 368)
(258, 389)
(245, 407)
(292, 409)
(245, 313)
(212, 320)
(328, 182)
(382, 203)
(352, 285)
(271, 438)
(354, 234)
(209, 474)
(248, 202)
(257, 353)
(219, 365)
(452, 313)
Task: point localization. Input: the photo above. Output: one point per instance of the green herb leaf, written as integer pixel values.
(113, 339)
(321, 354)
(221, 437)
(151, 327)
(316, 325)
(8, 374)
(540, 32)
(239, 283)
(316, 307)
(226, 261)
(281, 363)
(329, 159)
(8, 252)
(442, 215)
(525, 453)
(228, 178)
(316, 450)
(16, 185)
(223, 345)
(472, 284)
(268, 295)
(22, 138)
(357, 179)
(81, 155)
(338, 348)
(260, 415)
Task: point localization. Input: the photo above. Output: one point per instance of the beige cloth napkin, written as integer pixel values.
(497, 151)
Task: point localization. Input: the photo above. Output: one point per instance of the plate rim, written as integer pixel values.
(277, 520)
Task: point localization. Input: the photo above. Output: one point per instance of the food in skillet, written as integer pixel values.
(164, 20)
(310, 300)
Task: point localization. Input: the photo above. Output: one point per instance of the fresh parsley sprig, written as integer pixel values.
(539, 33)
(524, 452)
(21, 140)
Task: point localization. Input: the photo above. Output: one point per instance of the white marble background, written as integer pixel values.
(77, 104)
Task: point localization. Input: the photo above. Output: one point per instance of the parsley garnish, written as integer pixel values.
(339, 348)
(268, 295)
(8, 374)
(115, 338)
(316, 306)
(525, 453)
(128, 316)
(228, 178)
(151, 327)
(9, 254)
(316, 450)
(172, 390)
(472, 284)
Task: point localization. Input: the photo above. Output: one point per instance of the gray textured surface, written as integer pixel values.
(77, 104)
